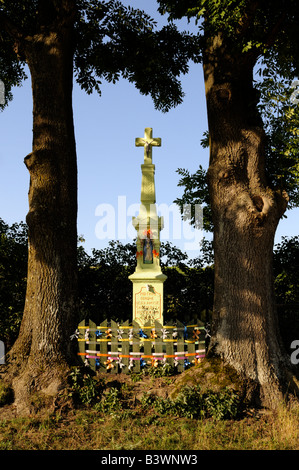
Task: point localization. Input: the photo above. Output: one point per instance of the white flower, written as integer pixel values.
(119, 334)
(75, 335)
(119, 362)
(164, 333)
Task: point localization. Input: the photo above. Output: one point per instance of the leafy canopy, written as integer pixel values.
(267, 32)
(110, 41)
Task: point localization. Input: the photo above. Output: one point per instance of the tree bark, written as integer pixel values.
(246, 212)
(39, 360)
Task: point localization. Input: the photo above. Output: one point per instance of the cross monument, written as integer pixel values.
(148, 278)
(147, 142)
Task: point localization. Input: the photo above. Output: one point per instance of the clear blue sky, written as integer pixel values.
(108, 162)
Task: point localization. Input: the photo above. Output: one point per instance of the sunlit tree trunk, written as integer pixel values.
(42, 354)
(246, 212)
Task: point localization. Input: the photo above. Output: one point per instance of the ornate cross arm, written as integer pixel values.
(147, 142)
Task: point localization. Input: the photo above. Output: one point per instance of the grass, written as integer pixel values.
(89, 430)
(135, 414)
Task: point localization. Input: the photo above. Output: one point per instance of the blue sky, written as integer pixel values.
(109, 170)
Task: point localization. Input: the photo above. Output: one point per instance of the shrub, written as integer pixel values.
(84, 388)
(191, 403)
(6, 394)
(110, 402)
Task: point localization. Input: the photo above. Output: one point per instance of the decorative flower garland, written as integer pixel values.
(156, 359)
(153, 334)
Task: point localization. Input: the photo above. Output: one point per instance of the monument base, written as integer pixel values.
(147, 297)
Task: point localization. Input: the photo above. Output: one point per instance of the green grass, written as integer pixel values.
(137, 415)
(89, 430)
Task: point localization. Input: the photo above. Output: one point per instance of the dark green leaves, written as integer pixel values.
(13, 273)
(281, 123)
(195, 192)
(113, 41)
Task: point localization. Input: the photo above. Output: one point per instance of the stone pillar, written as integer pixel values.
(148, 278)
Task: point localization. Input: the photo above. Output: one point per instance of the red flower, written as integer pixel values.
(148, 233)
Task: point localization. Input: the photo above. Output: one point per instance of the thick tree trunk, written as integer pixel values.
(41, 356)
(246, 212)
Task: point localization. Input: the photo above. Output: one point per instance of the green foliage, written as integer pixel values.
(267, 33)
(13, 278)
(103, 280)
(11, 74)
(195, 192)
(281, 123)
(110, 41)
(84, 389)
(115, 41)
(192, 403)
(225, 404)
(286, 268)
(92, 391)
(162, 370)
(248, 27)
(6, 394)
(189, 403)
(110, 402)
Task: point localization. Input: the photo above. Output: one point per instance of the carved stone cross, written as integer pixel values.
(147, 142)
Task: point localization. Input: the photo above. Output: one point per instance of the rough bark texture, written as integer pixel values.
(246, 212)
(41, 356)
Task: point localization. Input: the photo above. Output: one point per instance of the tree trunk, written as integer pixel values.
(246, 212)
(40, 358)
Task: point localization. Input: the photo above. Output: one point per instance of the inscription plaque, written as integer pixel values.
(148, 305)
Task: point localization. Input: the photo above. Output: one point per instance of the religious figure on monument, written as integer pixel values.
(148, 251)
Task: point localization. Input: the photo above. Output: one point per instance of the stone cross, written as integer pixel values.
(147, 142)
